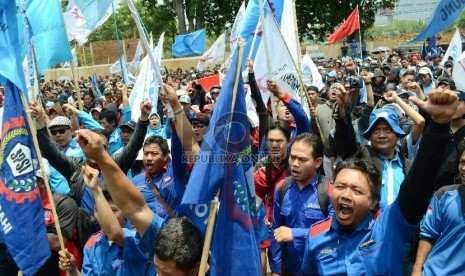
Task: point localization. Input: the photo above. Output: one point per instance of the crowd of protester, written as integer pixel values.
(342, 192)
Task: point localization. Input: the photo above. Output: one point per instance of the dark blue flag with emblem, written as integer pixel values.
(22, 223)
(224, 162)
(21, 215)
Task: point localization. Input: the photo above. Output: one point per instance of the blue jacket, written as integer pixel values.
(375, 247)
(170, 182)
(298, 211)
(103, 258)
(444, 227)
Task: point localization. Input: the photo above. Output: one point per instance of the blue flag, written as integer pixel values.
(11, 68)
(430, 50)
(248, 29)
(224, 162)
(95, 85)
(93, 11)
(21, 214)
(188, 44)
(443, 16)
(48, 33)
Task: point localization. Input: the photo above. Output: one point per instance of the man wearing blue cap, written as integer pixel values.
(383, 133)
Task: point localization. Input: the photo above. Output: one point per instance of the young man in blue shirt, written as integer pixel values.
(361, 238)
(298, 208)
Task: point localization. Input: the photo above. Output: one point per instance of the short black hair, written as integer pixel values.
(281, 126)
(312, 140)
(313, 88)
(365, 168)
(110, 116)
(156, 139)
(179, 240)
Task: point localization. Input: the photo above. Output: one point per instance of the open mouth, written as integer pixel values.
(344, 211)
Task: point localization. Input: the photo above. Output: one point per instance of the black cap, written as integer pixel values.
(446, 80)
(62, 98)
(130, 124)
(448, 63)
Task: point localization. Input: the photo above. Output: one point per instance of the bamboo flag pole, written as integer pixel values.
(215, 202)
(267, 56)
(44, 175)
(146, 45)
(299, 52)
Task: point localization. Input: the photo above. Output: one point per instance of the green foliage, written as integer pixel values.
(460, 23)
(156, 19)
(395, 28)
(318, 19)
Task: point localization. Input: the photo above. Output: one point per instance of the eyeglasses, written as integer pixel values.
(58, 131)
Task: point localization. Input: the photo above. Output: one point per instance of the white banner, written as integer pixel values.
(458, 72)
(236, 27)
(310, 74)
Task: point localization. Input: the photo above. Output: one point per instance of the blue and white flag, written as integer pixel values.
(455, 48)
(443, 16)
(75, 61)
(48, 33)
(93, 11)
(135, 62)
(11, 67)
(189, 44)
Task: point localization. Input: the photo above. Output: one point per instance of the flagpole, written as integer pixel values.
(215, 202)
(360, 31)
(143, 38)
(299, 51)
(44, 175)
(305, 94)
(267, 56)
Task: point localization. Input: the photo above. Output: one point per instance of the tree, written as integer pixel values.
(318, 19)
(157, 18)
(460, 23)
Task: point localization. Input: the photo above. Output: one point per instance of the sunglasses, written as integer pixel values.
(58, 131)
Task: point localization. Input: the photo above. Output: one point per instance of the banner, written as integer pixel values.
(310, 74)
(443, 16)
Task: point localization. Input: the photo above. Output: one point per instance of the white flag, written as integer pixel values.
(458, 72)
(213, 55)
(282, 68)
(236, 27)
(75, 25)
(135, 62)
(455, 48)
(115, 67)
(146, 86)
(289, 31)
(310, 74)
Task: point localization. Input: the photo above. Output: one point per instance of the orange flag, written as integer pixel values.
(347, 28)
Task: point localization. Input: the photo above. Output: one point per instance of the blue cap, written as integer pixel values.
(460, 95)
(332, 74)
(130, 124)
(389, 116)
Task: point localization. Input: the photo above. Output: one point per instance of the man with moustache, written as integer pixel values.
(363, 239)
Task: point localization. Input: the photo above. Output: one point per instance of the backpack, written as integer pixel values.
(324, 190)
(84, 227)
